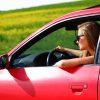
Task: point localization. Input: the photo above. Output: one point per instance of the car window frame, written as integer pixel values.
(51, 28)
(97, 53)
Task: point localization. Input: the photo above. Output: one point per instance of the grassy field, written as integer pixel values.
(16, 25)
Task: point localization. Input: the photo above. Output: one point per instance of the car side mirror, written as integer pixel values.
(3, 62)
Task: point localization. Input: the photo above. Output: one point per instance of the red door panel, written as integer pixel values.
(84, 83)
(49, 83)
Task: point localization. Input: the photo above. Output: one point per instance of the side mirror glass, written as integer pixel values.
(3, 62)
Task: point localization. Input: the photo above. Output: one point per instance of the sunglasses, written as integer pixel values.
(77, 39)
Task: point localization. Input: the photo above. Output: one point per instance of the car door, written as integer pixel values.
(78, 83)
(49, 83)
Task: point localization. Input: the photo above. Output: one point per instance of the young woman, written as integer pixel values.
(88, 33)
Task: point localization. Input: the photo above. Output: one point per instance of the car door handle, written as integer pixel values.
(78, 88)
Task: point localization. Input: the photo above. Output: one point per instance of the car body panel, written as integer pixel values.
(49, 83)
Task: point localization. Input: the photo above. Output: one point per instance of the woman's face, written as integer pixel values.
(83, 42)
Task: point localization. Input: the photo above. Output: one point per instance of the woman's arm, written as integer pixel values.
(78, 53)
(75, 62)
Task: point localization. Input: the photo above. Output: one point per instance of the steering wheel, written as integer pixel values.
(55, 56)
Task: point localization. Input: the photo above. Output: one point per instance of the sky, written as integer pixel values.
(6, 5)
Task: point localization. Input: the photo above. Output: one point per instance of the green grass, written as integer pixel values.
(15, 25)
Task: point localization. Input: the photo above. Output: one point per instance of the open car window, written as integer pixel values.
(59, 37)
(37, 54)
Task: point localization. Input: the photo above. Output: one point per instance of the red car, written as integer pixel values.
(26, 72)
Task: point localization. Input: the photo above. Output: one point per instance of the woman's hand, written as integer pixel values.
(59, 48)
(63, 63)
(59, 63)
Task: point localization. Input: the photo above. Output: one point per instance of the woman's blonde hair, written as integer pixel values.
(91, 30)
